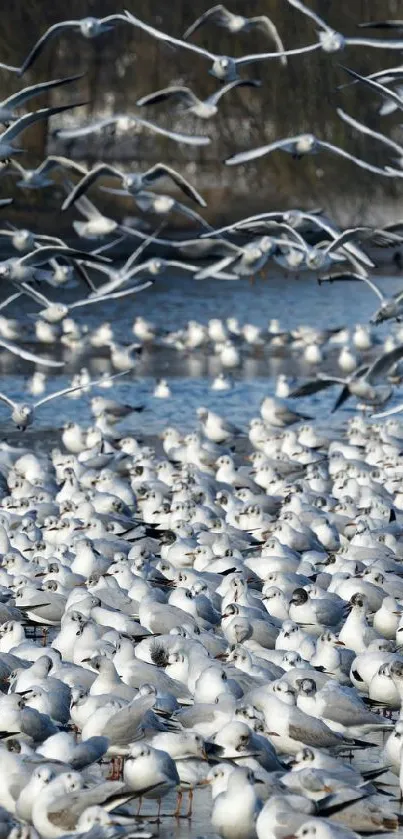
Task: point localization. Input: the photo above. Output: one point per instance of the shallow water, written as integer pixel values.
(170, 304)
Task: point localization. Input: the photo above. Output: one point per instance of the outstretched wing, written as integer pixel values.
(217, 14)
(88, 180)
(40, 45)
(253, 154)
(313, 386)
(383, 364)
(65, 390)
(29, 356)
(267, 26)
(176, 93)
(22, 123)
(160, 169)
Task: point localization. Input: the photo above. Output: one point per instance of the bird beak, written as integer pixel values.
(339, 644)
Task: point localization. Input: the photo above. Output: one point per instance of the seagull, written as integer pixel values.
(237, 23)
(22, 414)
(184, 97)
(39, 178)
(133, 182)
(224, 68)
(89, 27)
(332, 41)
(363, 383)
(21, 269)
(299, 146)
(124, 122)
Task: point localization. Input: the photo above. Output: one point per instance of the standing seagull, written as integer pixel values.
(237, 23)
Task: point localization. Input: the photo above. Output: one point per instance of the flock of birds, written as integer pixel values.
(223, 610)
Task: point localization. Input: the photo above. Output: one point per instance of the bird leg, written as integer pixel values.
(178, 804)
(159, 811)
(116, 769)
(139, 805)
(190, 804)
(44, 636)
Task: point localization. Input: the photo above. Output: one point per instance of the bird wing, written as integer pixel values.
(347, 276)
(123, 726)
(47, 252)
(17, 99)
(341, 705)
(8, 401)
(211, 270)
(383, 364)
(215, 97)
(252, 154)
(56, 162)
(66, 809)
(312, 733)
(29, 356)
(82, 131)
(77, 387)
(396, 410)
(177, 136)
(310, 13)
(10, 68)
(266, 25)
(161, 169)
(378, 43)
(313, 386)
(163, 36)
(36, 295)
(346, 236)
(262, 56)
(115, 296)
(10, 299)
(177, 93)
(217, 14)
(357, 160)
(22, 123)
(88, 180)
(377, 86)
(89, 751)
(369, 131)
(16, 165)
(344, 395)
(40, 44)
(382, 24)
